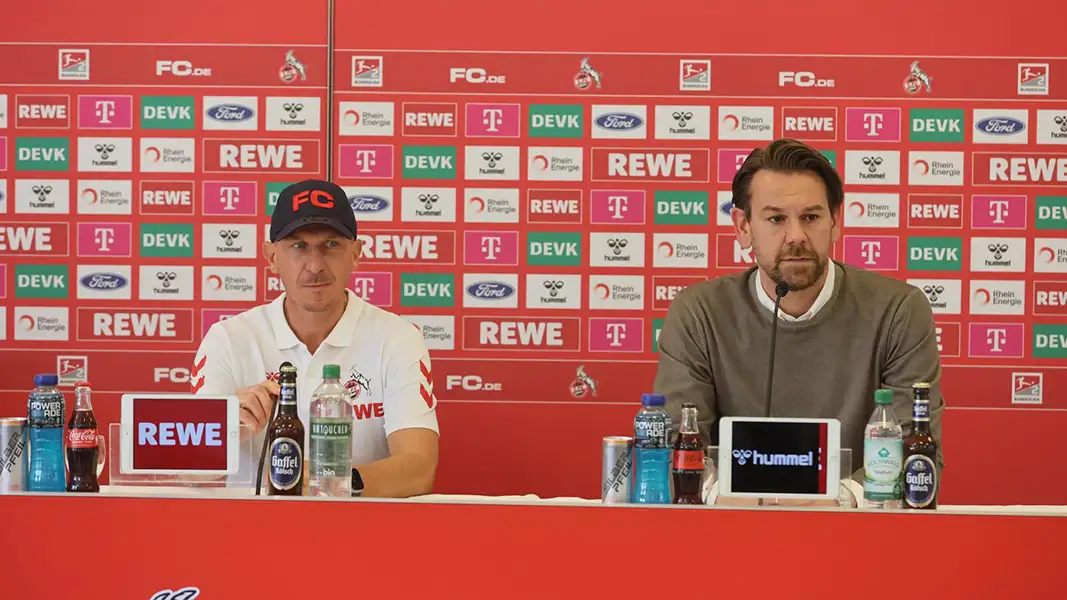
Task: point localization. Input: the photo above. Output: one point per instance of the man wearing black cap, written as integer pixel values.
(385, 366)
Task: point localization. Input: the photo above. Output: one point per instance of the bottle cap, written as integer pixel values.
(883, 396)
(82, 384)
(45, 379)
(653, 400)
(331, 371)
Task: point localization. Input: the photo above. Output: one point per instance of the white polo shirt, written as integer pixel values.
(384, 366)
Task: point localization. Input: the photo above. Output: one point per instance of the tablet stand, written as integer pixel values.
(244, 477)
(711, 471)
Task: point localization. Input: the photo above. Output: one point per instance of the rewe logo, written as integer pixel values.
(935, 211)
(293, 156)
(170, 325)
(425, 247)
(167, 197)
(810, 124)
(529, 333)
(429, 119)
(1019, 168)
(554, 206)
(614, 164)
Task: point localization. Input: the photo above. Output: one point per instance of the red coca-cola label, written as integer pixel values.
(688, 460)
(81, 438)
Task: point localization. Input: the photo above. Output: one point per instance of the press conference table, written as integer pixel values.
(136, 542)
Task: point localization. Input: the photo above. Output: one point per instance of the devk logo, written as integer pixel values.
(186, 593)
(775, 460)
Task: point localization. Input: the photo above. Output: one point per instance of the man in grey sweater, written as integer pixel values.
(842, 334)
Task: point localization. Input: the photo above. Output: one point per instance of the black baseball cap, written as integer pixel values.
(312, 202)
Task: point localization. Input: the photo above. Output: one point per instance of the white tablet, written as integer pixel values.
(783, 458)
(180, 434)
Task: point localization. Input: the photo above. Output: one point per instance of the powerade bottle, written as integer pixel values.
(652, 452)
(46, 409)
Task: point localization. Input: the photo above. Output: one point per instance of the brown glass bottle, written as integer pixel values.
(688, 466)
(285, 441)
(920, 455)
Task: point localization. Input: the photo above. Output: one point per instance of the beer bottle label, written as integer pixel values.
(688, 460)
(921, 410)
(288, 394)
(920, 481)
(81, 438)
(286, 463)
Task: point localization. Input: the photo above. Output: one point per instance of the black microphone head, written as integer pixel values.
(781, 289)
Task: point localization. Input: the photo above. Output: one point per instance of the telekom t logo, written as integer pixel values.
(104, 237)
(366, 159)
(996, 337)
(230, 196)
(998, 209)
(873, 123)
(492, 118)
(616, 333)
(871, 252)
(490, 246)
(363, 287)
(105, 109)
(617, 206)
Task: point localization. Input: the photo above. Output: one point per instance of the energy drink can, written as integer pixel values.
(12, 454)
(616, 467)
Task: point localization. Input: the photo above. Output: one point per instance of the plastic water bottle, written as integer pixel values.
(652, 452)
(46, 410)
(330, 442)
(883, 454)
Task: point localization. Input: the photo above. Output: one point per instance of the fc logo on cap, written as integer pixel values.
(317, 198)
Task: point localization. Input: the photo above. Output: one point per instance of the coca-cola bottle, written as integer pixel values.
(82, 443)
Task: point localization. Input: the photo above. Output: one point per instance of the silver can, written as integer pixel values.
(12, 454)
(615, 470)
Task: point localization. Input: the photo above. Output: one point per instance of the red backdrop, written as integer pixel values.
(532, 435)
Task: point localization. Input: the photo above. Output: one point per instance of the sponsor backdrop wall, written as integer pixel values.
(532, 190)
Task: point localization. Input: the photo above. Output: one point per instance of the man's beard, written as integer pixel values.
(797, 278)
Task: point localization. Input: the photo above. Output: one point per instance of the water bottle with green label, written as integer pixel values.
(883, 454)
(330, 441)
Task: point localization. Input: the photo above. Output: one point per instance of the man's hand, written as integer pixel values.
(256, 404)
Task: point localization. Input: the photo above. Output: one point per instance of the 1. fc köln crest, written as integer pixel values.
(357, 385)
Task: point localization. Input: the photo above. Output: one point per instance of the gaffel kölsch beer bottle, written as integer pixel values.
(285, 441)
(920, 454)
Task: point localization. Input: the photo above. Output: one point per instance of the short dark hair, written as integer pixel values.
(786, 156)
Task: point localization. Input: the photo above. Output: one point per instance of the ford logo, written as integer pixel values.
(1000, 126)
(104, 281)
(726, 207)
(619, 121)
(490, 290)
(368, 203)
(231, 113)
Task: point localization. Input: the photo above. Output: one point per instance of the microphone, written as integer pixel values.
(270, 421)
(780, 291)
